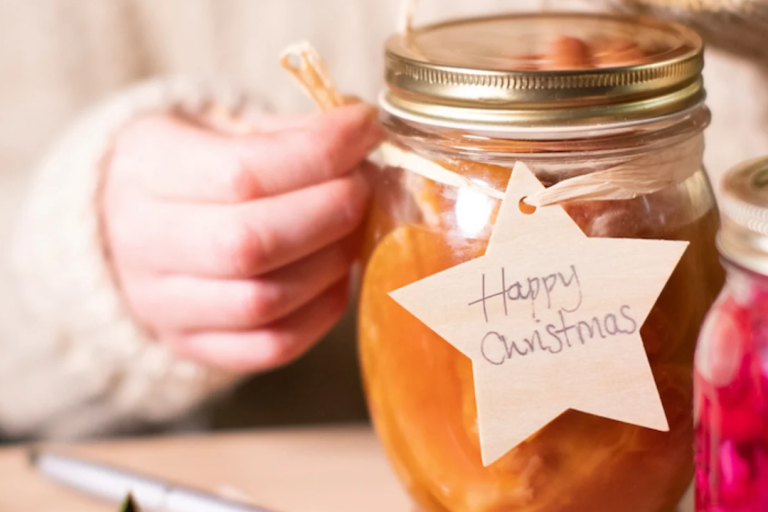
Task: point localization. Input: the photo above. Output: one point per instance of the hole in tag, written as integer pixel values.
(526, 208)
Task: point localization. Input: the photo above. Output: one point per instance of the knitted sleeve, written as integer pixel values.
(72, 361)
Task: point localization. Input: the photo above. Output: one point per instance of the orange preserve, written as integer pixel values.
(569, 95)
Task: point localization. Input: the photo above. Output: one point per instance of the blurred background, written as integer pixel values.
(60, 58)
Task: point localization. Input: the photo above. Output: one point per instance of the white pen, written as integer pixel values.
(115, 484)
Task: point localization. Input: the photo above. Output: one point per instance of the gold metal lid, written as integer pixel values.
(743, 238)
(534, 71)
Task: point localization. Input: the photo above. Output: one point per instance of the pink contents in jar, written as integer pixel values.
(731, 368)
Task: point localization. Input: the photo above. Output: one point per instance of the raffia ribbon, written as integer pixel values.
(305, 64)
(641, 176)
(635, 178)
(406, 16)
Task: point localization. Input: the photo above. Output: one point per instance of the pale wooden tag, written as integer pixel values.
(550, 319)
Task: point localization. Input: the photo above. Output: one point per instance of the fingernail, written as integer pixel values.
(371, 112)
(361, 112)
(374, 132)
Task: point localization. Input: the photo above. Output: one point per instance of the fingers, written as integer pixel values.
(172, 159)
(175, 160)
(275, 344)
(236, 249)
(240, 241)
(327, 147)
(264, 123)
(191, 304)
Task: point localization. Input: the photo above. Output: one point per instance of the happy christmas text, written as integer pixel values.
(553, 301)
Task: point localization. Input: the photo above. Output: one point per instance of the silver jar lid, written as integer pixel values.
(743, 237)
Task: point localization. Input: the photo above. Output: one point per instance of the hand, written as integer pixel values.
(236, 251)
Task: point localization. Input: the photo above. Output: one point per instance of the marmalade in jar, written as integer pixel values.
(475, 96)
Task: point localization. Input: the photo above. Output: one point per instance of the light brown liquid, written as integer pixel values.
(421, 393)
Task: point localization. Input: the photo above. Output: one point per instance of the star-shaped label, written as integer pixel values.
(550, 319)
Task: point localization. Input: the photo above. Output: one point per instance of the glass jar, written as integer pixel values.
(731, 377)
(476, 96)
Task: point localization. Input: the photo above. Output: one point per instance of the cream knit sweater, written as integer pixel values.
(72, 361)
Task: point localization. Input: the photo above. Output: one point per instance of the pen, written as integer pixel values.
(115, 484)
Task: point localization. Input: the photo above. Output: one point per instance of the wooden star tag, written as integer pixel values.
(550, 319)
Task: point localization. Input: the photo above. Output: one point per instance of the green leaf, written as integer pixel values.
(129, 505)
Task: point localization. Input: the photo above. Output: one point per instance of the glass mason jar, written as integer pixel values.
(569, 95)
(731, 377)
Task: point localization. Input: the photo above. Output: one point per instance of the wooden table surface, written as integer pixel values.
(317, 470)
(307, 470)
